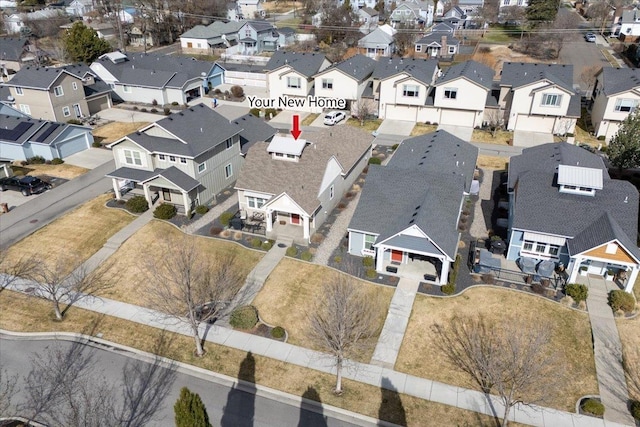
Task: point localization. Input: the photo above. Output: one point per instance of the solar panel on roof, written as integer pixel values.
(48, 131)
(15, 133)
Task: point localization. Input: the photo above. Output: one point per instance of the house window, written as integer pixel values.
(626, 105)
(132, 157)
(411, 91)
(25, 109)
(452, 49)
(228, 171)
(418, 48)
(528, 246)
(450, 93)
(327, 83)
(112, 85)
(551, 100)
(369, 240)
(256, 202)
(554, 249)
(183, 160)
(19, 91)
(74, 85)
(229, 143)
(294, 82)
(66, 111)
(540, 247)
(126, 89)
(291, 156)
(172, 159)
(331, 192)
(162, 157)
(520, 2)
(506, 2)
(202, 167)
(58, 91)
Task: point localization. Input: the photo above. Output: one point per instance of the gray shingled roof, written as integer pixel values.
(172, 174)
(306, 64)
(369, 11)
(393, 200)
(518, 74)
(472, 70)
(260, 26)
(421, 69)
(286, 31)
(213, 30)
(199, 126)
(19, 130)
(301, 180)
(377, 36)
(617, 80)
(437, 38)
(358, 66)
(601, 231)
(254, 129)
(154, 70)
(11, 49)
(44, 77)
(438, 152)
(97, 88)
(546, 158)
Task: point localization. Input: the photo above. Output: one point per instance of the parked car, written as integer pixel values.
(27, 185)
(334, 117)
(590, 37)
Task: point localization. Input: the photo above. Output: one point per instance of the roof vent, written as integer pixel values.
(626, 199)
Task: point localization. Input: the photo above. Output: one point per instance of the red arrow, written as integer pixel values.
(296, 127)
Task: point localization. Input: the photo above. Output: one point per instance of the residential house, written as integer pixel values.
(401, 87)
(104, 30)
(294, 184)
(286, 36)
(17, 52)
(455, 17)
(508, 3)
(165, 79)
(141, 37)
(254, 129)
(470, 7)
(564, 207)
(215, 37)
(185, 159)
(616, 94)
(347, 80)
(357, 5)
(256, 37)
(291, 74)
(24, 137)
(379, 42)
(539, 97)
(17, 23)
(78, 8)
(412, 13)
(369, 18)
(460, 94)
(630, 25)
(58, 93)
(408, 213)
(251, 9)
(439, 43)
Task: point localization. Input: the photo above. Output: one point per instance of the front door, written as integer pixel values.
(396, 256)
(596, 267)
(295, 219)
(166, 195)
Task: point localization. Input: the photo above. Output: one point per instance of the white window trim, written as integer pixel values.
(418, 48)
(126, 89)
(55, 91)
(19, 91)
(332, 192)
(452, 91)
(255, 202)
(74, 85)
(290, 79)
(25, 109)
(172, 159)
(452, 49)
(621, 103)
(547, 96)
(162, 157)
(229, 144)
(327, 84)
(413, 89)
(66, 111)
(228, 168)
(134, 155)
(544, 253)
(183, 160)
(202, 167)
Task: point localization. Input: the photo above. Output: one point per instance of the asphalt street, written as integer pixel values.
(29, 217)
(226, 406)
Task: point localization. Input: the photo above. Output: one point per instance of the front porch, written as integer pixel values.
(426, 270)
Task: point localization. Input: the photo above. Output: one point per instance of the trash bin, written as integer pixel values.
(4, 207)
(236, 223)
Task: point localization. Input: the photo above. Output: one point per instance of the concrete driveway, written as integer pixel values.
(91, 158)
(523, 138)
(284, 119)
(462, 132)
(396, 127)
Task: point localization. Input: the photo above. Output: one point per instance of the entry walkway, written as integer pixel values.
(395, 325)
(608, 354)
(376, 376)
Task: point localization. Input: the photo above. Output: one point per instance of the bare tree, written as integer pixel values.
(8, 388)
(511, 357)
(588, 76)
(495, 120)
(363, 109)
(12, 270)
(343, 320)
(185, 285)
(599, 13)
(405, 38)
(53, 282)
(513, 13)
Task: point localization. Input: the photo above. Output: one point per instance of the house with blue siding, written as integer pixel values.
(24, 137)
(185, 159)
(565, 208)
(147, 77)
(408, 213)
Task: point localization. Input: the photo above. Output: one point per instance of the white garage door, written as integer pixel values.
(535, 124)
(457, 117)
(401, 112)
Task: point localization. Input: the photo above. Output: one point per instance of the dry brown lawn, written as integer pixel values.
(289, 294)
(369, 124)
(499, 54)
(128, 279)
(58, 171)
(280, 6)
(77, 235)
(422, 129)
(502, 137)
(19, 313)
(113, 131)
(629, 331)
(309, 119)
(492, 162)
(571, 337)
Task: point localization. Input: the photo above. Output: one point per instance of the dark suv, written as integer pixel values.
(27, 185)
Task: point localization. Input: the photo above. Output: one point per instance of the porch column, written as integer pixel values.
(269, 221)
(147, 195)
(444, 274)
(632, 280)
(116, 188)
(574, 266)
(186, 201)
(379, 257)
(305, 226)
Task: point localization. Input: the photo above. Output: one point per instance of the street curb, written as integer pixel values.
(224, 380)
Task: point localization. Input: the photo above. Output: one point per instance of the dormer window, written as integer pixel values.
(579, 180)
(286, 148)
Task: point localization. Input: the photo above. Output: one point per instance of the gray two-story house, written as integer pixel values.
(257, 37)
(186, 158)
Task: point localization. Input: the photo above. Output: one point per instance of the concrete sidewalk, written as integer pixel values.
(607, 349)
(365, 373)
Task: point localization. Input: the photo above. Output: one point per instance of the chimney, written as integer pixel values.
(444, 50)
